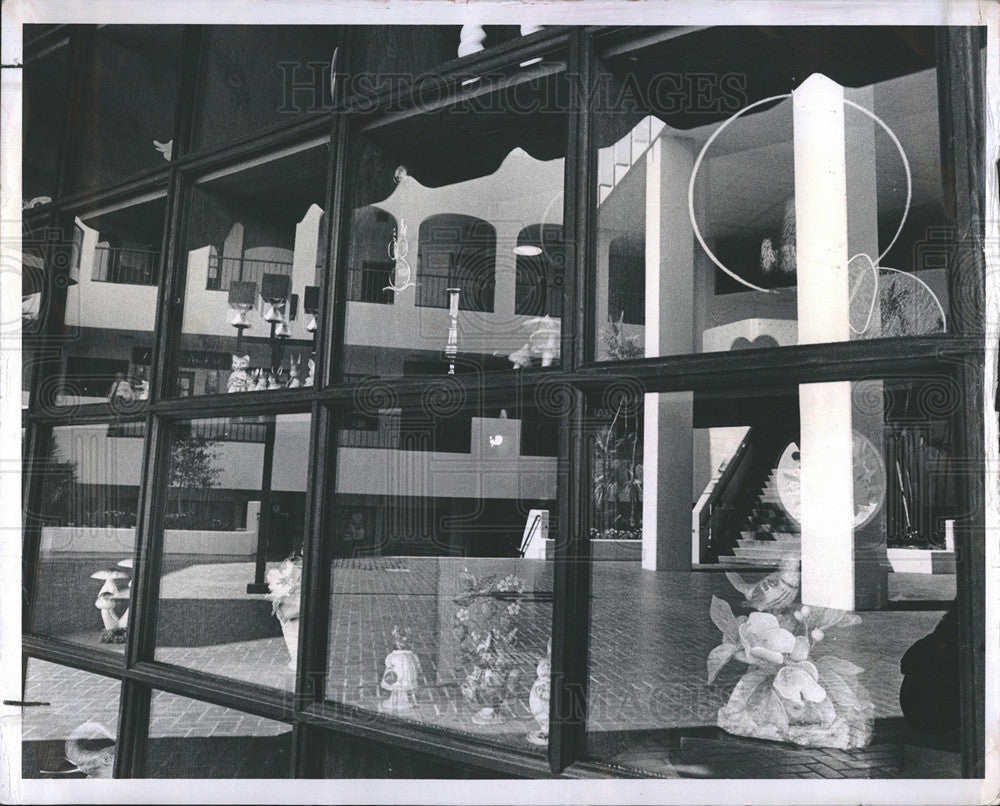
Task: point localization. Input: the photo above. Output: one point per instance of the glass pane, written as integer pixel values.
(44, 82)
(111, 305)
(36, 246)
(441, 603)
(88, 511)
(255, 250)
(193, 739)
(390, 55)
(130, 102)
(235, 511)
(259, 76)
(734, 282)
(767, 631)
(69, 724)
(456, 251)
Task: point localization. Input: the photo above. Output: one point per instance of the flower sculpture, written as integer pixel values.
(485, 626)
(790, 693)
(285, 585)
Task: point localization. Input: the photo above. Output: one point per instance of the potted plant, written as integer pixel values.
(485, 625)
(285, 587)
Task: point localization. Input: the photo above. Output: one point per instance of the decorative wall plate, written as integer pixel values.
(869, 480)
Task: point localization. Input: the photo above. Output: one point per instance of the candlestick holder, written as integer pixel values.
(451, 348)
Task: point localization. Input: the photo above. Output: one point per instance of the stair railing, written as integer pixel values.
(715, 516)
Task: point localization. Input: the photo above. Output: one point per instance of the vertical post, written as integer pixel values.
(668, 419)
(827, 470)
(264, 523)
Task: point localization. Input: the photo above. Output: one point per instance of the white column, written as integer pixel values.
(667, 494)
(827, 476)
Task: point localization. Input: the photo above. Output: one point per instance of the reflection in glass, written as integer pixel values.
(68, 730)
(259, 76)
(255, 253)
(231, 567)
(470, 198)
(130, 102)
(193, 739)
(440, 608)
(662, 292)
(44, 82)
(780, 605)
(88, 511)
(111, 305)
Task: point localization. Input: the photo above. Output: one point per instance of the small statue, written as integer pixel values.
(239, 379)
(312, 369)
(521, 358)
(259, 381)
(780, 260)
(538, 698)
(272, 380)
(294, 371)
(91, 749)
(400, 677)
(121, 389)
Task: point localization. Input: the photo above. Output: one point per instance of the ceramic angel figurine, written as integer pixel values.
(538, 698)
(239, 378)
(294, 371)
(400, 677)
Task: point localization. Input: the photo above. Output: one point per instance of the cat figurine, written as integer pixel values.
(239, 378)
(309, 378)
(294, 371)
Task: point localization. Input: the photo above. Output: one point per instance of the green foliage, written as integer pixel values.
(192, 466)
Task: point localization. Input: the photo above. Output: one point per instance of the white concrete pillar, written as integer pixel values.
(668, 418)
(826, 421)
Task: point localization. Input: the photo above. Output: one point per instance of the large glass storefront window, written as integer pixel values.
(234, 514)
(441, 597)
(455, 258)
(771, 565)
(751, 270)
(767, 631)
(255, 253)
(87, 514)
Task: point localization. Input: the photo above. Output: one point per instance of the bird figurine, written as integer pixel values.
(774, 592)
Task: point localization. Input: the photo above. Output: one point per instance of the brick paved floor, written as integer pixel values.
(650, 709)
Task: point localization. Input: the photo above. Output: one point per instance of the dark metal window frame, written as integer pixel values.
(314, 720)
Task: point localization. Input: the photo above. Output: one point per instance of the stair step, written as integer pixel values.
(773, 555)
(779, 538)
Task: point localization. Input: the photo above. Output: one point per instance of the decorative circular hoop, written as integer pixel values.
(762, 102)
(871, 308)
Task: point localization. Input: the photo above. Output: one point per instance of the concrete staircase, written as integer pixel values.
(769, 534)
(614, 162)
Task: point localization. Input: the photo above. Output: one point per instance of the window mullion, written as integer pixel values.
(570, 619)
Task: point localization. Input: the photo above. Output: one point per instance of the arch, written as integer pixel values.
(456, 251)
(541, 264)
(369, 267)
